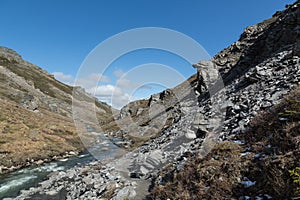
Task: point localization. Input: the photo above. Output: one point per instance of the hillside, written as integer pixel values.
(257, 156)
(261, 58)
(259, 163)
(36, 122)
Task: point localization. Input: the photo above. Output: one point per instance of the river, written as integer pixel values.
(12, 183)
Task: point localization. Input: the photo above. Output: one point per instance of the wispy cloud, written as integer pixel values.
(86, 82)
(111, 94)
(115, 95)
(126, 84)
(118, 73)
(91, 80)
(100, 86)
(65, 78)
(105, 90)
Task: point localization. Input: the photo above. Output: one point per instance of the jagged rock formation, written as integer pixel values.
(32, 101)
(265, 56)
(256, 71)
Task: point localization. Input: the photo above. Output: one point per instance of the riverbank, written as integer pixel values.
(52, 143)
(39, 162)
(28, 138)
(23, 179)
(128, 175)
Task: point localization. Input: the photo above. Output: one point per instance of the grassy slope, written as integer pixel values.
(273, 136)
(27, 136)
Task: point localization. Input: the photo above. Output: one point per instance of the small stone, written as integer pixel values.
(126, 192)
(135, 175)
(51, 192)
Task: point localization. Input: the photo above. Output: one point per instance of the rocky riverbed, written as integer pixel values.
(22, 179)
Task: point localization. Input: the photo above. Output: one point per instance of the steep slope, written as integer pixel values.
(259, 164)
(36, 113)
(261, 58)
(256, 75)
(144, 119)
(257, 71)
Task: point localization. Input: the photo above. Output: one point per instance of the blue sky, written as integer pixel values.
(57, 35)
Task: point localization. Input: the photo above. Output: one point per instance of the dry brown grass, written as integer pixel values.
(212, 177)
(273, 134)
(276, 135)
(26, 135)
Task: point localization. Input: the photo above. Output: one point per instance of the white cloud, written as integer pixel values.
(115, 95)
(91, 80)
(105, 90)
(126, 84)
(99, 77)
(119, 102)
(86, 82)
(65, 78)
(118, 73)
(111, 94)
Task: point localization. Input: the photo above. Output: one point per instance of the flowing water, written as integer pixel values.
(12, 183)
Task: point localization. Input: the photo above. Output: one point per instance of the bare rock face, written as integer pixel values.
(29, 102)
(9, 55)
(32, 87)
(207, 75)
(256, 70)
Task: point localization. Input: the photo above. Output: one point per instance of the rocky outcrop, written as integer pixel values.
(259, 68)
(9, 55)
(26, 84)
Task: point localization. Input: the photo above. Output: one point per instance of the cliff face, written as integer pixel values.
(36, 113)
(260, 67)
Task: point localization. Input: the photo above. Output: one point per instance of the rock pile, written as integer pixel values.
(88, 182)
